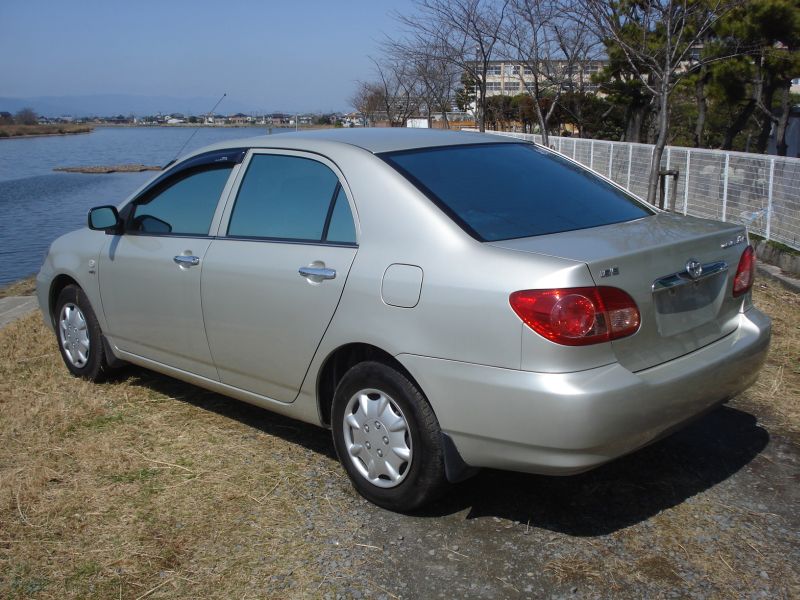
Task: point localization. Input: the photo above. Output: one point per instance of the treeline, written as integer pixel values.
(26, 116)
(703, 73)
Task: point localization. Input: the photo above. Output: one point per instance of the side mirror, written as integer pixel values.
(105, 218)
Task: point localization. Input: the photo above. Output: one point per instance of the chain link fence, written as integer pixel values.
(760, 191)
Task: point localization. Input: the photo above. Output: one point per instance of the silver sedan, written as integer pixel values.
(441, 301)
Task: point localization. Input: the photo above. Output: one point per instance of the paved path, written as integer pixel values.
(14, 307)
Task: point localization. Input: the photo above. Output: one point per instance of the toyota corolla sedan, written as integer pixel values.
(441, 301)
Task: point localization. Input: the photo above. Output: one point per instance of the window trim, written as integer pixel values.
(224, 224)
(215, 159)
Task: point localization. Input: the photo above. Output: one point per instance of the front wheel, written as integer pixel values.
(387, 437)
(79, 338)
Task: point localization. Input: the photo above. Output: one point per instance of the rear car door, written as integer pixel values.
(150, 275)
(273, 276)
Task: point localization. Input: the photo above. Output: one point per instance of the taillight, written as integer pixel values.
(577, 316)
(745, 272)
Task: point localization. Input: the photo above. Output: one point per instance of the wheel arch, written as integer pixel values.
(56, 286)
(342, 359)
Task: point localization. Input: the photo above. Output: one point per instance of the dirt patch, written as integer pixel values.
(150, 488)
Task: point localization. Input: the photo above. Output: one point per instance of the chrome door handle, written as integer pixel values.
(317, 272)
(187, 261)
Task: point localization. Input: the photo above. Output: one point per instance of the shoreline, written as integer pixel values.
(11, 132)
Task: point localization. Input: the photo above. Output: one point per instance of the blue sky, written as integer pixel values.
(304, 55)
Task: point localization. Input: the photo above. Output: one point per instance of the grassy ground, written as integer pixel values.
(23, 287)
(149, 488)
(7, 131)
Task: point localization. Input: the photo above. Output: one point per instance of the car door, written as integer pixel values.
(273, 276)
(150, 275)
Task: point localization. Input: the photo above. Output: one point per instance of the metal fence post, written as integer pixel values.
(591, 155)
(769, 196)
(725, 186)
(630, 162)
(686, 183)
(610, 157)
(666, 180)
(574, 148)
(559, 145)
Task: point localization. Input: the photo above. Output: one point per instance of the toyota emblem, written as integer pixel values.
(694, 268)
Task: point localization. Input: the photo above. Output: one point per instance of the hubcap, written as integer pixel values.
(377, 438)
(73, 334)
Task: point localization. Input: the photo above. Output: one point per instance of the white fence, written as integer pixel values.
(760, 191)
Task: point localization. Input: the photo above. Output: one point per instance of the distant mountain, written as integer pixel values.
(125, 104)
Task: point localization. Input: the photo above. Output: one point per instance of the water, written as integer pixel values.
(37, 205)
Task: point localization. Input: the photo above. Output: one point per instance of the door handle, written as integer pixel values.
(187, 261)
(318, 273)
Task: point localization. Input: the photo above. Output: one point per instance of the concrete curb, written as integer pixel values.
(14, 307)
(775, 274)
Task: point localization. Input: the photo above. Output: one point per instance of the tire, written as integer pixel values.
(79, 337)
(388, 438)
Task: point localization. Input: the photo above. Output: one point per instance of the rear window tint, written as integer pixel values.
(505, 191)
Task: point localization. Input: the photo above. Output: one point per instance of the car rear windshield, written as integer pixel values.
(505, 191)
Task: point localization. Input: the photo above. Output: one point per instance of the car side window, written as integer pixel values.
(283, 197)
(341, 228)
(185, 206)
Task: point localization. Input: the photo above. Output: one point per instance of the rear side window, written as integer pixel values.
(283, 197)
(505, 191)
(341, 228)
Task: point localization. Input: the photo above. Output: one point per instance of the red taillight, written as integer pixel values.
(745, 273)
(577, 316)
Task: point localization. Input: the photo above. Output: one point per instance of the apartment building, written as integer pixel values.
(510, 77)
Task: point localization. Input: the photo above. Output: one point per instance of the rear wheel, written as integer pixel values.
(387, 437)
(79, 337)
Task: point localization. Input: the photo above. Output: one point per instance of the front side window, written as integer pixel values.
(185, 206)
(290, 198)
(509, 190)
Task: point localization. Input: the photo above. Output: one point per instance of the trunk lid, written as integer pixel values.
(649, 259)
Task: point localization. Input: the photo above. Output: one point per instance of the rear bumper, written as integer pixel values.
(570, 422)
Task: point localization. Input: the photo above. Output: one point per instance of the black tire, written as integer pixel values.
(423, 479)
(96, 366)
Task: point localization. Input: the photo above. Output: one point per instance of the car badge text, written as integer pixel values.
(609, 272)
(739, 239)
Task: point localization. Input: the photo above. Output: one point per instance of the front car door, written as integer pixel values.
(273, 277)
(150, 275)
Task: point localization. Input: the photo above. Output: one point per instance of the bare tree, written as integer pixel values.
(367, 100)
(26, 116)
(656, 38)
(436, 78)
(399, 90)
(551, 52)
(463, 33)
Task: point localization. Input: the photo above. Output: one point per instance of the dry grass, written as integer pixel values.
(23, 287)
(8, 131)
(148, 484)
(777, 391)
(149, 488)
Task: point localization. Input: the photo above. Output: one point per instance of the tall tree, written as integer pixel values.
(655, 38)
(463, 33)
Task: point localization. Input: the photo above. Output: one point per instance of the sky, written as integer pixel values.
(301, 55)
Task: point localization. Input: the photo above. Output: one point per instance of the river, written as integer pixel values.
(37, 204)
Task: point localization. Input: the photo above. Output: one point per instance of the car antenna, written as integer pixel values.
(178, 153)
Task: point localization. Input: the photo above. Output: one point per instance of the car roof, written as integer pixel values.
(371, 139)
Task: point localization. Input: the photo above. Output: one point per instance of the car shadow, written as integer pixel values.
(623, 492)
(313, 438)
(614, 496)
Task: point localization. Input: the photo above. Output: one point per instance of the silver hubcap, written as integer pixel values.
(377, 438)
(74, 334)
